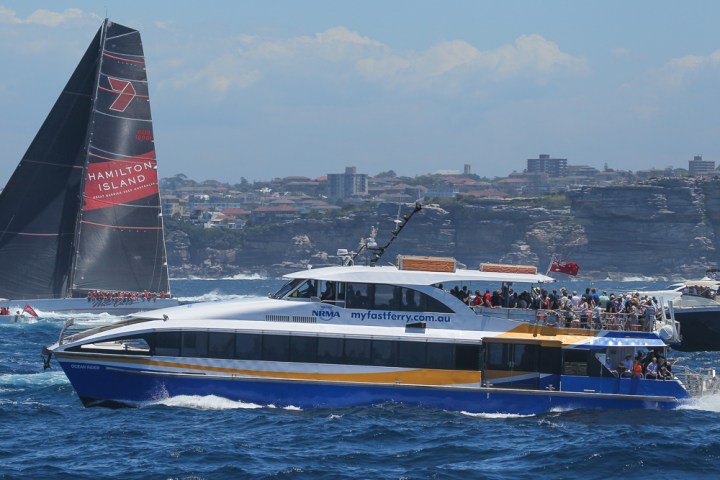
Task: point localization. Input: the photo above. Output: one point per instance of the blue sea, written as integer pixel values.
(46, 433)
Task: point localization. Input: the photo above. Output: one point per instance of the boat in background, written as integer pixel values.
(695, 306)
(81, 227)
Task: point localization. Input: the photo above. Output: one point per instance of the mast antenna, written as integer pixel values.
(371, 245)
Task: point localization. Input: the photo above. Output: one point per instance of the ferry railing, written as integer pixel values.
(700, 382)
(579, 319)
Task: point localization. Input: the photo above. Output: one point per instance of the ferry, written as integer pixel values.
(351, 335)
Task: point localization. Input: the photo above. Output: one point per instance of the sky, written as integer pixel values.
(265, 89)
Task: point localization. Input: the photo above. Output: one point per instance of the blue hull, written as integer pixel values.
(97, 385)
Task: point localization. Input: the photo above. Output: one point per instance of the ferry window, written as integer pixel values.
(410, 300)
(383, 352)
(467, 357)
(575, 362)
(550, 360)
(435, 305)
(330, 350)
(341, 292)
(357, 351)
(386, 297)
(285, 289)
(306, 290)
(303, 349)
(411, 354)
(222, 345)
(167, 344)
(276, 348)
(248, 346)
(358, 295)
(194, 344)
(329, 291)
(498, 356)
(525, 358)
(440, 356)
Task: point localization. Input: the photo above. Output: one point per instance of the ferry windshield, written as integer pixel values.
(287, 288)
(298, 288)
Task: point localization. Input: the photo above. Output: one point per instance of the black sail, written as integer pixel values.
(82, 210)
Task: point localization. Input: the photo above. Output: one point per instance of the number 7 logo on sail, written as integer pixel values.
(126, 93)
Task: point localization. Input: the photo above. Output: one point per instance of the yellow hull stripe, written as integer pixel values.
(415, 376)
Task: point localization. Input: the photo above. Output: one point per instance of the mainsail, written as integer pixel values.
(82, 210)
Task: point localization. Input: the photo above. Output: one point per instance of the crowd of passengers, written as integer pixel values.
(591, 309)
(651, 366)
(125, 297)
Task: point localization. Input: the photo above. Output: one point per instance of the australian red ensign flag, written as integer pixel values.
(562, 266)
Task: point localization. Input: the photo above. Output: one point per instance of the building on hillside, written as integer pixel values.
(697, 167)
(348, 184)
(554, 167)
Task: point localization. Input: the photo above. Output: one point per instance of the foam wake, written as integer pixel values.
(40, 379)
(709, 403)
(213, 296)
(496, 415)
(208, 402)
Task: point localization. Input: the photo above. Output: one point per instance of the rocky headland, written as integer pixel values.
(667, 228)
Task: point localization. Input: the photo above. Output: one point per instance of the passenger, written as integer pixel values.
(329, 293)
(465, 295)
(623, 371)
(603, 300)
(487, 299)
(583, 312)
(637, 371)
(410, 298)
(640, 357)
(575, 299)
(664, 370)
(478, 299)
(554, 299)
(597, 318)
(523, 300)
(652, 369)
(609, 366)
(496, 299)
(628, 363)
(455, 292)
(513, 300)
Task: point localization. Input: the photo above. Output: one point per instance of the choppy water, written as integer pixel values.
(45, 433)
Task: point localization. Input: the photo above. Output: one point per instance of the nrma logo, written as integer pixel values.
(326, 313)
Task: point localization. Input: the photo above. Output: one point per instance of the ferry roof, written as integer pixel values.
(392, 275)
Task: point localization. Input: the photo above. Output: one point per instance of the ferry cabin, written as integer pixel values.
(343, 336)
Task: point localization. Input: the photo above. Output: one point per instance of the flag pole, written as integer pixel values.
(552, 260)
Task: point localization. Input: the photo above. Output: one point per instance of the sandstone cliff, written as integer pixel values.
(664, 227)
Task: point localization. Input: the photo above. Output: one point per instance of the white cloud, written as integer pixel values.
(529, 55)
(620, 52)
(339, 50)
(678, 71)
(46, 18)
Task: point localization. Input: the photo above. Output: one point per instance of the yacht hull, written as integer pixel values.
(83, 305)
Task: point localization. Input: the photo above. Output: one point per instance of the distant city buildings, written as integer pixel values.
(697, 167)
(213, 204)
(554, 167)
(348, 184)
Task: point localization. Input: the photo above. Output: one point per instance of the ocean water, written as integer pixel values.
(46, 433)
